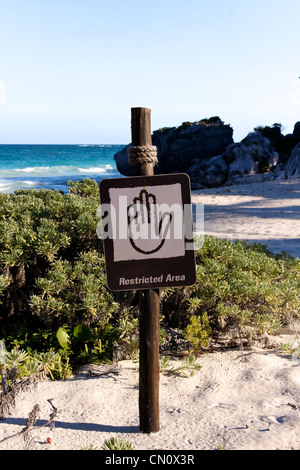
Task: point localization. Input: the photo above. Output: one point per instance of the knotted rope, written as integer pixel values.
(143, 154)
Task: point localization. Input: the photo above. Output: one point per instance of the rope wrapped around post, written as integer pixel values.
(139, 155)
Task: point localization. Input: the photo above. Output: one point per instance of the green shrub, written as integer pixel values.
(38, 228)
(238, 284)
(74, 292)
(52, 270)
(271, 133)
(52, 276)
(84, 188)
(198, 332)
(34, 365)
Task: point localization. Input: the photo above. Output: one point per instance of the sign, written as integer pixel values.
(147, 229)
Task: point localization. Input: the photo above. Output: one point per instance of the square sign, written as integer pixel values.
(147, 229)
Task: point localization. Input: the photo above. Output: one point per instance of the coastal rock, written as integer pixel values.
(206, 152)
(296, 132)
(283, 144)
(253, 159)
(293, 165)
(123, 165)
(253, 155)
(179, 147)
(210, 173)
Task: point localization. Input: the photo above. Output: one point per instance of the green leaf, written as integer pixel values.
(63, 337)
(82, 333)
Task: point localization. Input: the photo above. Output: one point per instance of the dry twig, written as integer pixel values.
(33, 415)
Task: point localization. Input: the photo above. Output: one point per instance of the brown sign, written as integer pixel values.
(147, 229)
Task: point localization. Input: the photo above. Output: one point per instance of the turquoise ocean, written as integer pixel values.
(52, 166)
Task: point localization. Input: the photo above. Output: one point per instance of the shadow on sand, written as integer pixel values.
(77, 426)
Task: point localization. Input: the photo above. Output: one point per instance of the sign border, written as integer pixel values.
(134, 270)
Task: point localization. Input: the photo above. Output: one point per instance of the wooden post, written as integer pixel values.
(149, 324)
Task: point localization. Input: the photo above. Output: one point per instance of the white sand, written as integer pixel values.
(267, 213)
(238, 400)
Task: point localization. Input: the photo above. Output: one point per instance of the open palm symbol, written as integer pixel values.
(147, 235)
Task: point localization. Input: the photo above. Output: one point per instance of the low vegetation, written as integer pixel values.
(54, 299)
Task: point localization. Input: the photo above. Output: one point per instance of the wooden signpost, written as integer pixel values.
(149, 324)
(146, 266)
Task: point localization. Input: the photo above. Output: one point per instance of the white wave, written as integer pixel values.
(95, 170)
(30, 169)
(47, 171)
(11, 186)
(94, 145)
(5, 188)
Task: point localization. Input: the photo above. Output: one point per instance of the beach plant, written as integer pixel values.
(186, 368)
(127, 326)
(15, 357)
(18, 373)
(164, 363)
(88, 446)
(4, 283)
(293, 350)
(287, 349)
(49, 362)
(52, 276)
(74, 290)
(84, 344)
(84, 188)
(117, 444)
(63, 338)
(38, 227)
(239, 285)
(20, 363)
(32, 368)
(198, 332)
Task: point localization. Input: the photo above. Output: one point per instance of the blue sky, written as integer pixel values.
(70, 70)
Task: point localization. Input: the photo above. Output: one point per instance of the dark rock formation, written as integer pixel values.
(179, 147)
(209, 173)
(296, 133)
(283, 144)
(293, 165)
(254, 154)
(206, 152)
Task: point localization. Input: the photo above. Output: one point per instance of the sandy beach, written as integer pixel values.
(246, 400)
(239, 400)
(267, 213)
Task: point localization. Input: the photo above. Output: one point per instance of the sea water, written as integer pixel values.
(52, 166)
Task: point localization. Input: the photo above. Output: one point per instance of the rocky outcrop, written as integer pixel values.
(254, 155)
(283, 144)
(293, 165)
(209, 173)
(263, 155)
(179, 147)
(296, 132)
(206, 152)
